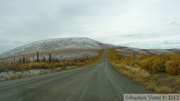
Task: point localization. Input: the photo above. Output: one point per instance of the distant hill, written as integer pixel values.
(76, 47)
(128, 51)
(56, 44)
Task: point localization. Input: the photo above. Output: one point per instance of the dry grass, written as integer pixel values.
(48, 65)
(54, 53)
(151, 85)
(164, 90)
(178, 81)
(154, 81)
(138, 76)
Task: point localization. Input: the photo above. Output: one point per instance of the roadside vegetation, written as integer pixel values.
(159, 73)
(48, 63)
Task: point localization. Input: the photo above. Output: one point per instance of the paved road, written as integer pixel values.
(99, 82)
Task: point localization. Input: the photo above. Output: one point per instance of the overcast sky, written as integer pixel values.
(135, 23)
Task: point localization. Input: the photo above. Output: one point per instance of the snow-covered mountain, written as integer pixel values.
(56, 44)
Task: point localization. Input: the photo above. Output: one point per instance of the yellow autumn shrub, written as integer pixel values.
(173, 67)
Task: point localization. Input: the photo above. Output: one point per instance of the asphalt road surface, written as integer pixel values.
(98, 82)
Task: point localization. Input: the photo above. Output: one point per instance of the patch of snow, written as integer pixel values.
(57, 55)
(144, 51)
(159, 51)
(7, 75)
(55, 44)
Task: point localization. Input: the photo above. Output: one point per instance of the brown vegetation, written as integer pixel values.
(149, 70)
(49, 64)
(164, 90)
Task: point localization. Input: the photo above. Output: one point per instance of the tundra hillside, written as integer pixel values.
(25, 63)
(157, 72)
(48, 55)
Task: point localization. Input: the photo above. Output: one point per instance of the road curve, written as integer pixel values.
(98, 82)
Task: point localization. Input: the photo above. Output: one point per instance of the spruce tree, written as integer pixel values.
(14, 61)
(37, 56)
(24, 60)
(50, 57)
(44, 59)
(33, 58)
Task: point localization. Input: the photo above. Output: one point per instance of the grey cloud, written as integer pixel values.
(3, 49)
(175, 23)
(18, 42)
(154, 44)
(133, 35)
(6, 41)
(140, 35)
(2, 41)
(23, 21)
(6, 46)
(75, 9)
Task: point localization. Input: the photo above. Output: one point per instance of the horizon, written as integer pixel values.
(140, 24)
(85, 38)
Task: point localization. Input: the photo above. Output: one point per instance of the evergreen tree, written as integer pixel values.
(11, 62)
(37, 59)
(44, 59)
(33, 58)
(24, 60)
(20, 60)
(14, 61)
(50, 59)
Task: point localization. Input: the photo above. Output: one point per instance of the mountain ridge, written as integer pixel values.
(56, 44)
